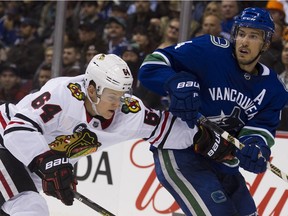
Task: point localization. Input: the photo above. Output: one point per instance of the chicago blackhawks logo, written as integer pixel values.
(75, 89)
(130, 105)
(78, 144)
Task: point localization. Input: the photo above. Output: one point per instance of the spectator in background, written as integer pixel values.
(27, 52)
(88, 35)
(90, 12)
(116, 35)
(276, 10)
(283, 126)
(31, 8)
(174, 9)
(229, 9)
(131, 56)
(71, 60)
(142, 16)
(47, 60)
(41, 77)
(2, 9)
(3, 52)
(212, 8)
(284, 59)
(212, 25)
(171, 33)
(89, 53)
(48, 55)
(118, 11)
(47, 22)
(144, 41)
(272, 57)
(9, 24)
(12, 89)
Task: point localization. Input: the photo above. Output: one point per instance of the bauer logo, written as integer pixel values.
(215, 146)
(188, 84)
(56, 162)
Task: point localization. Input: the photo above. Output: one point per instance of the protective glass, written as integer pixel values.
(114, 98)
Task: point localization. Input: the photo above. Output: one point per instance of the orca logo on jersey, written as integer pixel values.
(56, 162)
(76, 91)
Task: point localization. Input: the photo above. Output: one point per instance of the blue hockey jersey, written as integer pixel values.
(239, 102)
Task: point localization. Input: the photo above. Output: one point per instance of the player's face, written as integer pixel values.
(249, 42)
(110, 101)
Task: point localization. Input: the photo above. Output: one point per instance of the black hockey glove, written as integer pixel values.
(211, 145)
(254, 155)
(183, 89)
(56, 174)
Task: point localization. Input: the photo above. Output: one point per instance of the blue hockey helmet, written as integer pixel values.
(257, 18)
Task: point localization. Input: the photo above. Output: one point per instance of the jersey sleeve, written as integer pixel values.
(160, 128)
(189, 56)
(38, 114)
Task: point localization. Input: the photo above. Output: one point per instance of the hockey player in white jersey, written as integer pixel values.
(50, 130)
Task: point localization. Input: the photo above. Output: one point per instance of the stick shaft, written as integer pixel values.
(225, 135)
(91, 204)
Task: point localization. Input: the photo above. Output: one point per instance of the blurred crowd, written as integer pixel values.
(129, 29)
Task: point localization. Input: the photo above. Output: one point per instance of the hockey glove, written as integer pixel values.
(254, 155)
(211, 145)
(57, 177)
(183, 89)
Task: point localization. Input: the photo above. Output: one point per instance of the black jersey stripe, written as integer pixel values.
(25, 118)
(154, 131)
(7, 111)
(167, 133)
(1, 141)
(12, 129)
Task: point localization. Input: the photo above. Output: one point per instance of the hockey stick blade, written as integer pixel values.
(92, 204)
(202, 120)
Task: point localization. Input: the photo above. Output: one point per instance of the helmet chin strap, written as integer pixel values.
(93, 104)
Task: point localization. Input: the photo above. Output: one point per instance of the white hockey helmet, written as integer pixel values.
(109, 71)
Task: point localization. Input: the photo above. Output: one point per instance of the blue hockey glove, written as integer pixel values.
(254, 156)
(183, 89)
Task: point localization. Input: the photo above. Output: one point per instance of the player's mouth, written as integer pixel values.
(111, 112)
(243, 51)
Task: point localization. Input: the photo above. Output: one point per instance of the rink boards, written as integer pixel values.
(122, 180)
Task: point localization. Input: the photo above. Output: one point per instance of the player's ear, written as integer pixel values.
(91, 91)
(266, 46)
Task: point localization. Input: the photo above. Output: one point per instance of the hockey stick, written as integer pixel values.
(202, 120)
(92, 204)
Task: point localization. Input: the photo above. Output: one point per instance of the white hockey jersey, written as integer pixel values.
(58, 109)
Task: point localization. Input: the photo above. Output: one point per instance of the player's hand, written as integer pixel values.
(183, 89)
(211, 145)
(56, 174)
(254, 156)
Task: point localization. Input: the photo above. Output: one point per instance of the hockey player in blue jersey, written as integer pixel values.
(224, 81)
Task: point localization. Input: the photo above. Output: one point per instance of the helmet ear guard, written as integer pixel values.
(256, 18)
(108, 71)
